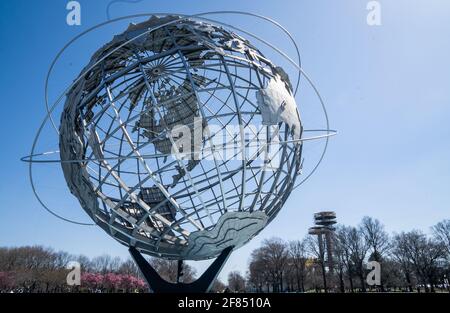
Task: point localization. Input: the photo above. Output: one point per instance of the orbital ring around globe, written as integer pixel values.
(49, 111)
(30, 158)
(185, 209)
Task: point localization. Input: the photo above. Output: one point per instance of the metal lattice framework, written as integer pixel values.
(119, 120)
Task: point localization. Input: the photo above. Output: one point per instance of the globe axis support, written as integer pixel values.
(201, 285)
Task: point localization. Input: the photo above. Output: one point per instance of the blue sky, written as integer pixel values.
(386, 89)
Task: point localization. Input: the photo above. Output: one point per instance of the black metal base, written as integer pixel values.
(159, 285)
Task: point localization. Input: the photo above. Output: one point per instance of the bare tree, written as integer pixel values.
(275, 255)
(236, 282)
(393, 275)
(168, 269)
(85, 263)
(358, 248)
(401, 255)
(353, 248)
(297, 258)
(377, 239)
(317, 249)
(129, 267)
(258, 274)
(268, 264)
(101, 264)
(441, 232)
(115, 264)
(424, 254)
(218, 286)
(62, 259)
(342, 259)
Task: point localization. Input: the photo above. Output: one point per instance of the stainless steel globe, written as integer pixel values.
(181, 138)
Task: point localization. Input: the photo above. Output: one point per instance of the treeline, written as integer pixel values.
(38, 269)
(410, 262)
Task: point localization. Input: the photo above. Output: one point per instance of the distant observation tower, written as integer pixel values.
(324, 226)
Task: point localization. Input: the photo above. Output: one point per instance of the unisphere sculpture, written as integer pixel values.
(122, 118)
(182, 141)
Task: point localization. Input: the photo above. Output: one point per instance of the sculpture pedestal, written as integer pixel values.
(201, 285)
